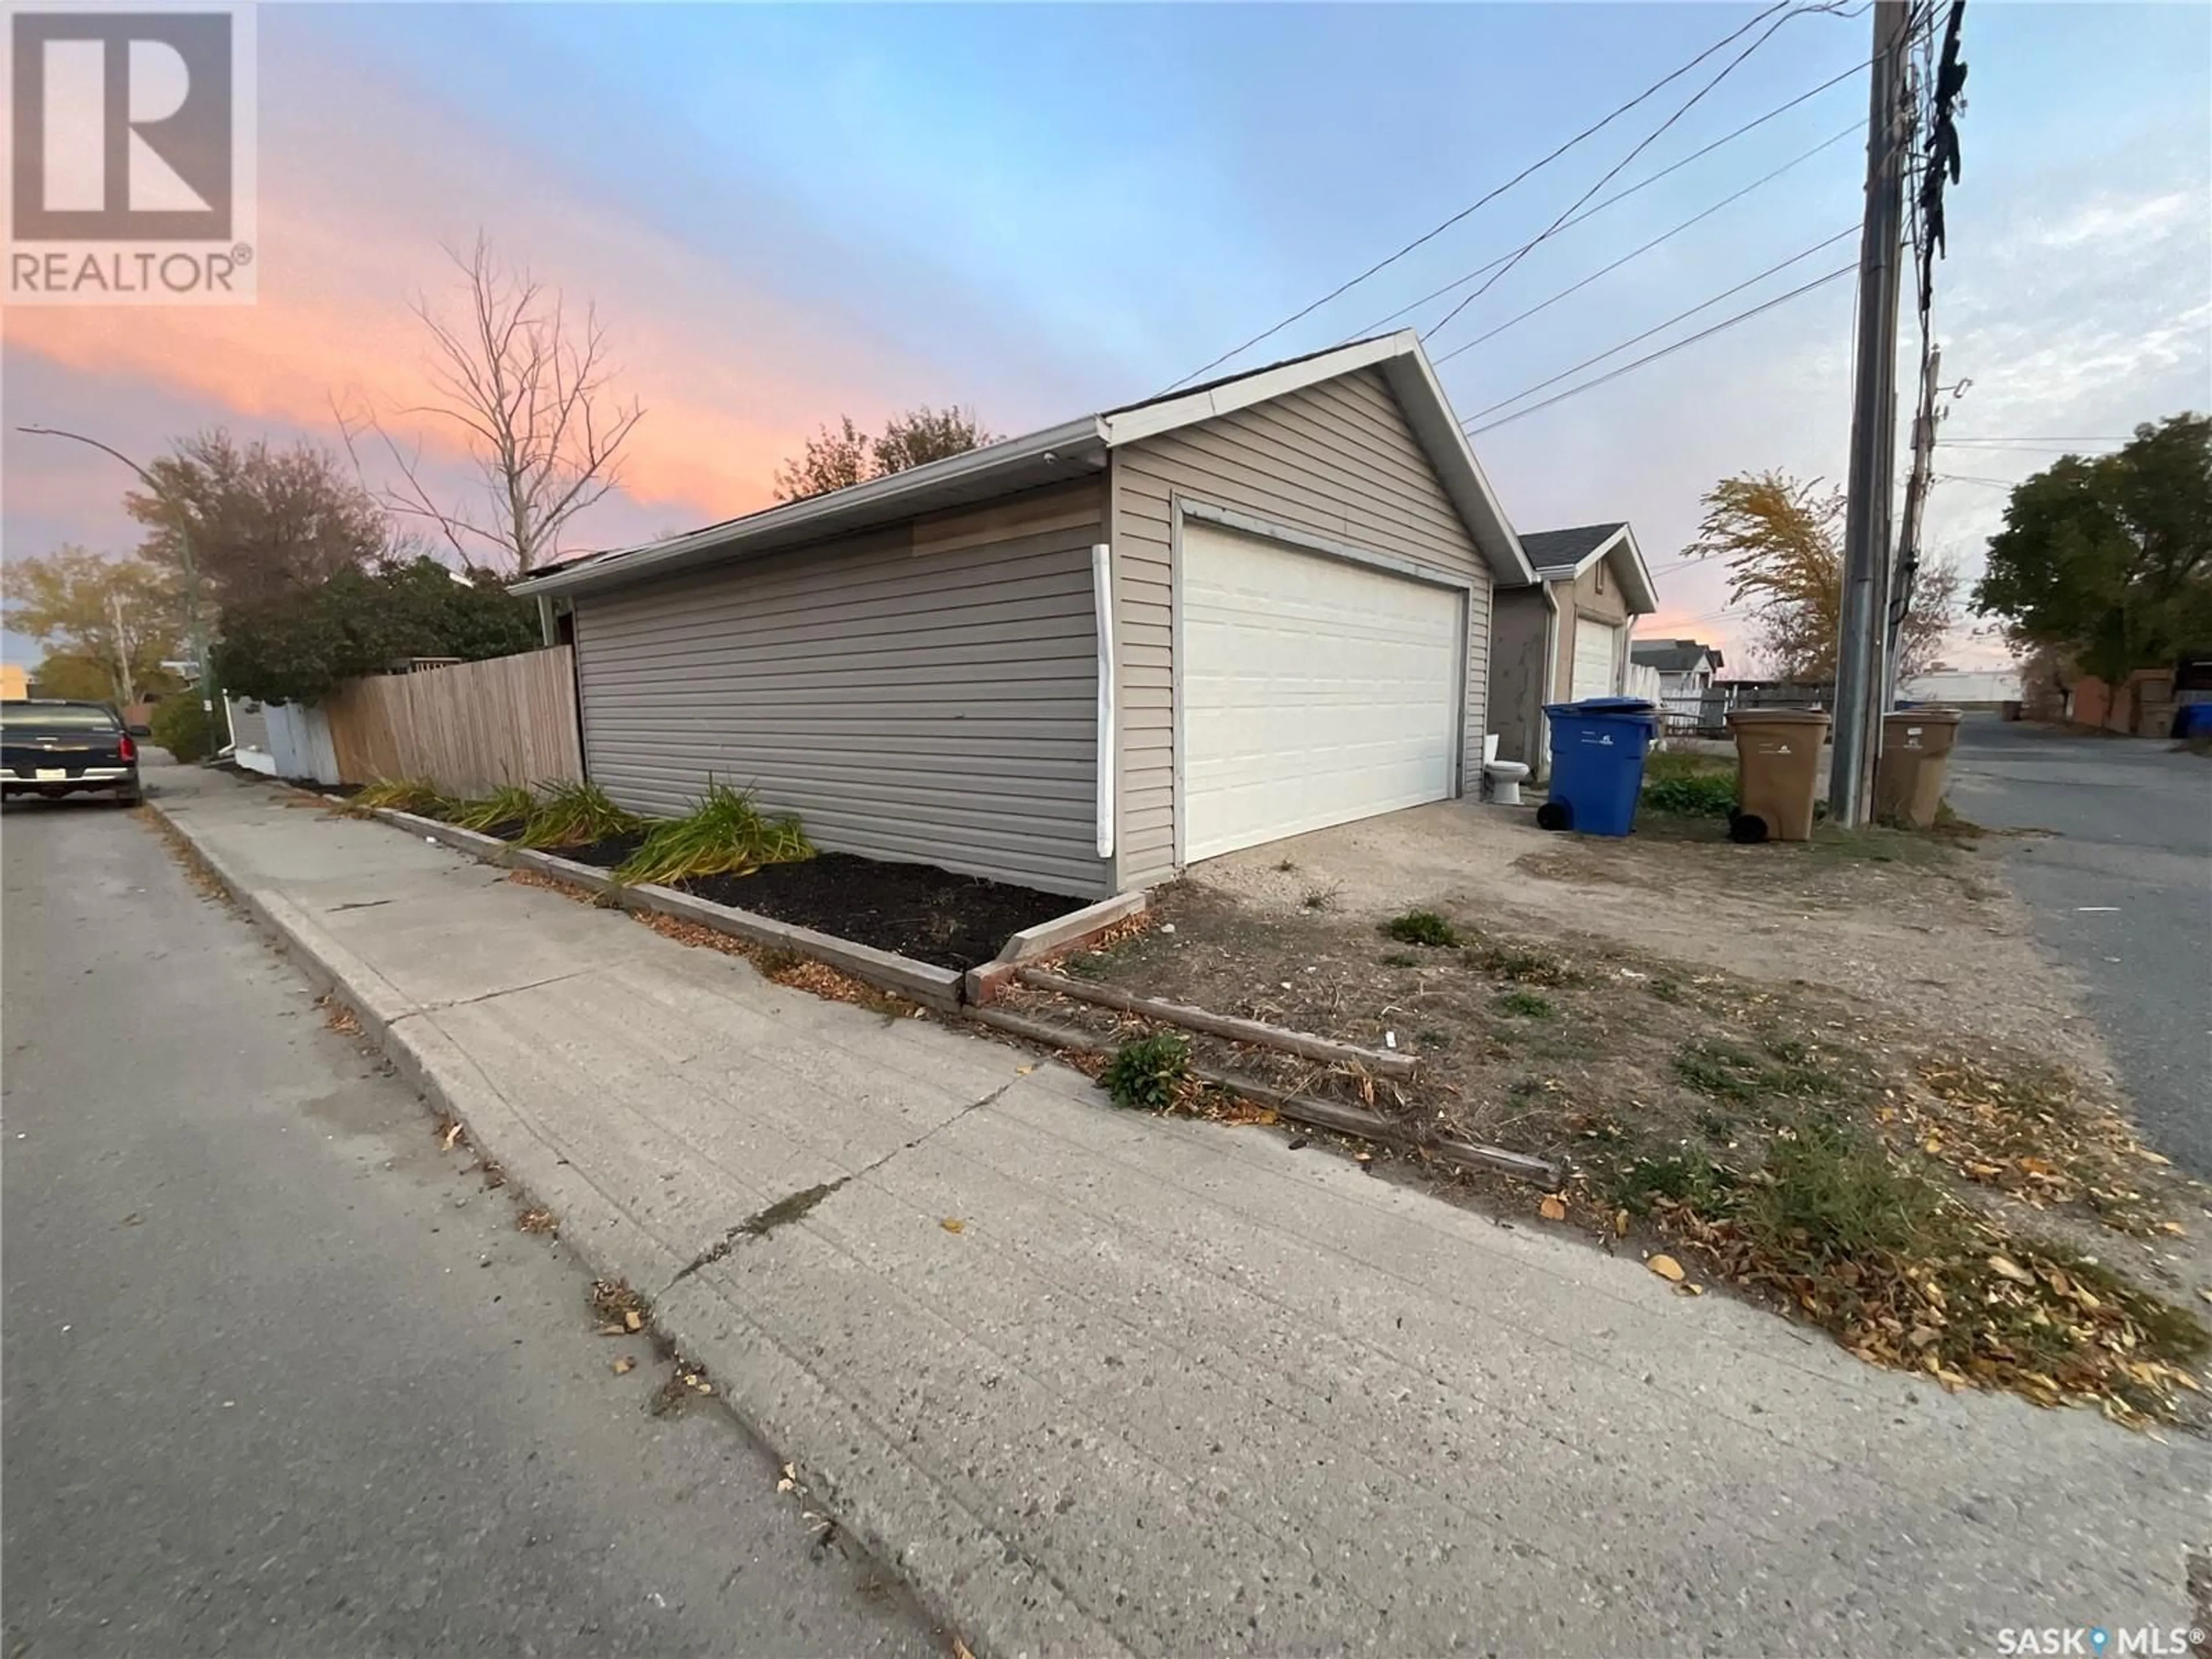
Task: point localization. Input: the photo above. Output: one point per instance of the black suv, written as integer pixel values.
(65, 748)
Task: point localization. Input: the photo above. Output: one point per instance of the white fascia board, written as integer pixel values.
(1431, 415)
(823, 514)
(1641, 593)
(1149, 420)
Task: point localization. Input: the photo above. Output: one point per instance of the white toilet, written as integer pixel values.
(1505, 779)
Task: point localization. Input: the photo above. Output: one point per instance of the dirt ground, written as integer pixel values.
(1886, 918)
(1836, 1074)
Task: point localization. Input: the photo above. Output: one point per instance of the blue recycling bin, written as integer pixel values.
(1598, 747)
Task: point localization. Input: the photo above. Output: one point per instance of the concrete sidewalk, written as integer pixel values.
(1177, 1389)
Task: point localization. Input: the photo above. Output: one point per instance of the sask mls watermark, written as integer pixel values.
(132, 132)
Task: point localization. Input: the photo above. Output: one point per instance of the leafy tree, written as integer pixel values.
(299, 646)
(107, 623)
(2108, 560)
(925, 435)
(1782, 538)
(837, 457)
(832, 459)
(264, 521)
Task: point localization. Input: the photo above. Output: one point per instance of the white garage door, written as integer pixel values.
(1597, 648)
(1314, 691)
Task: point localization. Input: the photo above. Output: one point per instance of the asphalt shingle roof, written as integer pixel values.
(1672, 656)
(1552, 550)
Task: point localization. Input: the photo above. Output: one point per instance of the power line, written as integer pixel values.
(1665, 351)
(1680, 316)
(2019, 443)
(1615, 171)
(1620, 196)
(1427, 236)
(1665, 236)
(1968, 477)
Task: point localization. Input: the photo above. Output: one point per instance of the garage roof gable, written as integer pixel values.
(1066, 451)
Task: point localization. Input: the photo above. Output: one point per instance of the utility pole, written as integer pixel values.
(1915, 506)
(202, 670)
(124, 682)
(1866, 518)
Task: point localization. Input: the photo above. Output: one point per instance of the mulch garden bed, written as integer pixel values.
(916, 910)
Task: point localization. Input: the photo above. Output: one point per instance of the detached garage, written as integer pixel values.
(1082, 659)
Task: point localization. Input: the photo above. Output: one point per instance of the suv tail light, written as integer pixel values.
(126, 752)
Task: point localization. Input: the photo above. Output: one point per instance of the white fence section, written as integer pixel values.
(300, 743)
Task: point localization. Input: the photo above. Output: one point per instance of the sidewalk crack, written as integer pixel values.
(504, 991)
(786, 1210)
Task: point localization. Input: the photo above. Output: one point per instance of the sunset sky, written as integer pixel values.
(783, 214)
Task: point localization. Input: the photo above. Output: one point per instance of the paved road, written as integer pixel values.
(281, 1378)
(2121, 890)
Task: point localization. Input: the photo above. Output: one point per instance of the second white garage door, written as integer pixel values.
(1597, 649)
(1314, 690)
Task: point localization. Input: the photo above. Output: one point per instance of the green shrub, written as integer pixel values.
(1709, 796)
(1526, 1004)
(415, 795)
(184, 729)
(509, 803)
(575, 815)
(724, 835)
(1145, 1074)
(1421, 928)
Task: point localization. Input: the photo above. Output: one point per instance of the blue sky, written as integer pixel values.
(784, 213)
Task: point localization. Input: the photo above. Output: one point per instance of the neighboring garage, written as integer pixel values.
(1567, 637)
(1082, 659)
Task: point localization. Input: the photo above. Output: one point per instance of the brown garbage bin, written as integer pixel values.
(1915, 755)
(1777, 768)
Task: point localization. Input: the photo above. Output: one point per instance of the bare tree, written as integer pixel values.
(524, 386)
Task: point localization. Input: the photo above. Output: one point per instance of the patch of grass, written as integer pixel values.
(1950, 824)
(1284, 866)
(1523, 964)
(1525, 1005)
(1836, 1197)
(1685, 1177)
(1702, 796)
(1399, 959)
(1669, 764)
(415, 795)
(1422, 927)
(509, 803)
(1666, 990)
(569, 814)
(1783, 1069)
(1145, 1074)
(724, 835)
(1430, 1036)
(1322, 898)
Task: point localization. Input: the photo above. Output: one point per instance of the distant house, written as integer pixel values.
(1685, 667)
(14, 682)
(1566, 637)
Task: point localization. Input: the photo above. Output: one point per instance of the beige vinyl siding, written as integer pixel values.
(1335, 460)
(927, 693)
(1580, 599)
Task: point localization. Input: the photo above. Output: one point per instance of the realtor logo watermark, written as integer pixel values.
(132, 134)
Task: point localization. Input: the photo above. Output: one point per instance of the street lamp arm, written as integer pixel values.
(56, 432)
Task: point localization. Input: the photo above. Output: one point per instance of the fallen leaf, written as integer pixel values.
(1666, 1267)
(453, 1133)
(1620, 1223)
(1024, 1071)
(2005, 1267)
(1689, 1290)
(953, 1225)
(633, 1321)
(625, 1364)
(1554, 1208)
(960, 1649)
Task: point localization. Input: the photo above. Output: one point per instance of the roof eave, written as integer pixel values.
(1061, 451)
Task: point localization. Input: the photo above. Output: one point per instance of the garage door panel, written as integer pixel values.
(1597, 648)
(1315, 692)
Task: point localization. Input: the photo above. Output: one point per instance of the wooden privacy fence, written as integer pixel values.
(466, 729)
